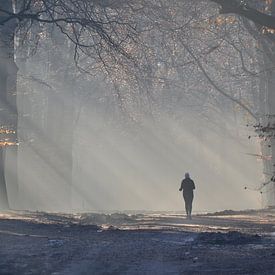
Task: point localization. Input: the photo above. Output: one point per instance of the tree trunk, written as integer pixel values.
(8, 110)
(268, 145)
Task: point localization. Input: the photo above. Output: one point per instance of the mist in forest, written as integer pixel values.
(117, 165)
(91, 140)
(144, 171)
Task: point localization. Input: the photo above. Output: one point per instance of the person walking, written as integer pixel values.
(187, 187)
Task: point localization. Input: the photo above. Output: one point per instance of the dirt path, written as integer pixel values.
(40, 243)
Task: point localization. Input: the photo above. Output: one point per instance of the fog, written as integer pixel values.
(119, 165)
(145, 171)
(122, 138)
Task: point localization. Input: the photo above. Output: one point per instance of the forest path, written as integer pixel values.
(152, 243)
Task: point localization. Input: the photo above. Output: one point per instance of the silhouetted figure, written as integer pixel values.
(187, 186)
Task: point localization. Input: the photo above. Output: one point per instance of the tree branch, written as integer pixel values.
(243, 9)
(243, 106)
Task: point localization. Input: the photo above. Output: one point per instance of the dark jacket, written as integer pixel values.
(187, 185)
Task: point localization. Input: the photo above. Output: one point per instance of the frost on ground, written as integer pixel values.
(151, 243)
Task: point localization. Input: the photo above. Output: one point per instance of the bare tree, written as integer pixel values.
(98, 29)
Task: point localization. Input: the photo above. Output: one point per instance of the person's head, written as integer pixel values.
(187, 176)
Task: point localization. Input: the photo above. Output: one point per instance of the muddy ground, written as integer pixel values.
(151, 243)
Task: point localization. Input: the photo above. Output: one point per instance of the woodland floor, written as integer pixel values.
(152, 243)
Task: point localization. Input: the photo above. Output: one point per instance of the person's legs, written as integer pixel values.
(186, 204)
(190, 201)
(186, 207)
